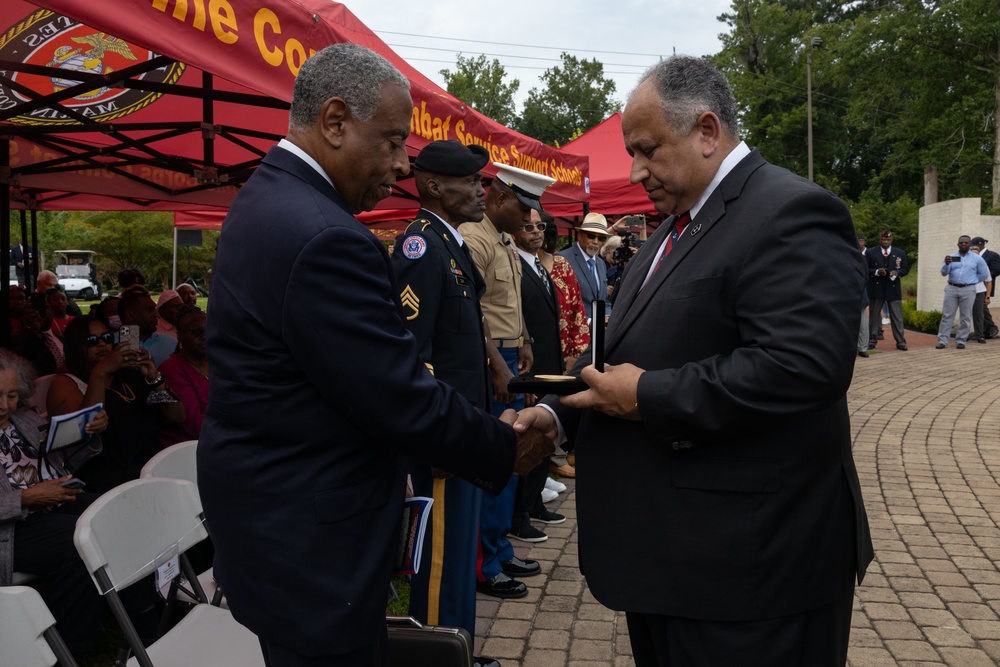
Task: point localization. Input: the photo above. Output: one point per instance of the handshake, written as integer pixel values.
(536, 431)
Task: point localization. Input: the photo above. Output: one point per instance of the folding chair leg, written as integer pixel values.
(59, 647)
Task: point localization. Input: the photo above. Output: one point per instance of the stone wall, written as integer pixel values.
(940, 226)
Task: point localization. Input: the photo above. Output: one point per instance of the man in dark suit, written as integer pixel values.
(441, 288)
(886, 265)
(540, 304)
(992, 260)
(589, 268)
(318, 392)
(727, 368)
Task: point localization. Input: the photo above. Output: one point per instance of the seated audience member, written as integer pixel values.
(58, 302)
(138, 309)
(35, 341)
(107, 312)
(46, 281)
(188, 294)
(133, 392)
(17, 301)
(37, 516)
(187, 374)
(167, 307)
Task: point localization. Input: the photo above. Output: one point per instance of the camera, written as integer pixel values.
(624, 252)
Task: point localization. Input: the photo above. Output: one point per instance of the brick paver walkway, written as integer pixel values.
(927, 444)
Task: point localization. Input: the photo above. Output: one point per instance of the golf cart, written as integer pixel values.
(77, 274)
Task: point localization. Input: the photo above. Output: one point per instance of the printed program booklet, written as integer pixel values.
(66, 430)
(416, 512)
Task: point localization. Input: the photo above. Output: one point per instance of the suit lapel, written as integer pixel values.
(528, 271)
(699, 227)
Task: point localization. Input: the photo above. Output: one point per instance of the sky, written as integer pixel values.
(527, 36)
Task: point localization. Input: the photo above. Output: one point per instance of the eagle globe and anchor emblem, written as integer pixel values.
(51, 40)
(91, 60)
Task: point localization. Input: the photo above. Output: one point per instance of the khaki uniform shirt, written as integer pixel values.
(496, 258)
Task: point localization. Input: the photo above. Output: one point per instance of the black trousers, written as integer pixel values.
(528, 500)
(814, 638)
(373, 655)
(43, 545)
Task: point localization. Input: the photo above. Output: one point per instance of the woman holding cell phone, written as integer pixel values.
(135, 396)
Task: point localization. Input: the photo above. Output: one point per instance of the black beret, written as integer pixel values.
(451, 158)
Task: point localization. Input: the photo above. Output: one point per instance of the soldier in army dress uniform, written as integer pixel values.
(441, 288)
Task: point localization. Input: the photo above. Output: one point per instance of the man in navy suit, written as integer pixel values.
(590, 270)
(729, 355)
(318, 394)
(886, 265)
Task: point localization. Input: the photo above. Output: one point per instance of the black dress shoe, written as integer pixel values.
(862, 353)
(516, 567)
(871, 346)
(940, 346)
(981, 340)
(480, 661)
(502, 586)
(901, 346)
(960, 346)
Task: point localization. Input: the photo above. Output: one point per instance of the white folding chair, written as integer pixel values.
(124, 536)
(28, 636)
(180, 461)
(174, 462)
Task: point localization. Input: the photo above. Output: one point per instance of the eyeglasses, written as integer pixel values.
(93, 340)
(197, 331)
(540, 226)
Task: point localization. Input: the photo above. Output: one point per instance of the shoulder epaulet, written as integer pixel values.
(418, 225)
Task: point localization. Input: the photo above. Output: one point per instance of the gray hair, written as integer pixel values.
(690, 86)
(24, 371)
(348, 71)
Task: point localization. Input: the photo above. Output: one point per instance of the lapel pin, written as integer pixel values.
(695, 229)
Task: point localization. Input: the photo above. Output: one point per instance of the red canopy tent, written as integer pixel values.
(169, 104)
(611, 193)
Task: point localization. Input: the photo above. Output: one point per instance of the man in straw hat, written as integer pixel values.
(513, 195)
(590, 269)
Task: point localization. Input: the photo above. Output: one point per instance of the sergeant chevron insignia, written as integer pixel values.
(410, 300)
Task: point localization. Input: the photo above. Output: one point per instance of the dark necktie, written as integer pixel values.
(543, 274)
(679, 225)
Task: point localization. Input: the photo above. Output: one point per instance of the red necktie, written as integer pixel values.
(885, 253)
(679, 225)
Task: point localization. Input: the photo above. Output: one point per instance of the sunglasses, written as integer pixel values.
(93, 340)
(197, 331)
(540, 226)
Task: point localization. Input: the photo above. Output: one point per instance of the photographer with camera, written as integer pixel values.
(619, 249)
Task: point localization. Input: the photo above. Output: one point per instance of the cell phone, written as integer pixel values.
(74, 483)
(956, 258)
(130, 333)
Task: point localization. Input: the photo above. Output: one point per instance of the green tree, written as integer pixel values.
(124, 239)
(480, 84)
(576, 97)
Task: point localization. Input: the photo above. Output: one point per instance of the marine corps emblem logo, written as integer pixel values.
(51, 40)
